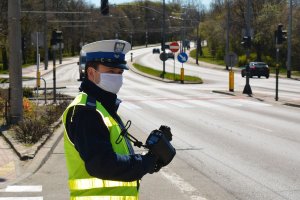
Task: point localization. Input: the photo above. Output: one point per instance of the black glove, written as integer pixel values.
(153, 163)
(166, 131)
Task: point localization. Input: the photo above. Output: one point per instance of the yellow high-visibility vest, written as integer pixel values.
(85, 187)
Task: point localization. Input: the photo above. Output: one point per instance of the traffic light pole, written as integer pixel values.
(60, 53)
(163, 38)
(289, 53)
(45, 37)
(277, 73)
(54, 75)
(247, 88)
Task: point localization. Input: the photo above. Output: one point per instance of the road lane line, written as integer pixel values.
(21, 198)
(181, 184)
(203, 103)
(265, 129)
(130, 106)
(154, 104)
(23, 188)
(251, 103)
(179, 104)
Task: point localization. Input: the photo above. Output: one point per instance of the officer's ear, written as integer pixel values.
(91, 73)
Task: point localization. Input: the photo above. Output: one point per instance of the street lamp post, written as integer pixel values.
(163, 37)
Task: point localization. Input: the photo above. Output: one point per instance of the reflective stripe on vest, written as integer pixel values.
(104, 198)
(85, 187)
(83, 184)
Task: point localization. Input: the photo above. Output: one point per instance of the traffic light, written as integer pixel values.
(246, 43)
(57, 37)
(281, 34)
(104, 7)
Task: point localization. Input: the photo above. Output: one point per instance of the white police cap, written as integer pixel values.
(109, 52)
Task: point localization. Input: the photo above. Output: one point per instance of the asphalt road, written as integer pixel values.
(227, 147)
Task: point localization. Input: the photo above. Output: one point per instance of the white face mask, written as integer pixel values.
(110, 82)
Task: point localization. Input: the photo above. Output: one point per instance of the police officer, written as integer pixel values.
(100, 167)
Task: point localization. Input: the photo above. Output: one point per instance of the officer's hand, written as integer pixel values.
(166, 131)
(152, 161)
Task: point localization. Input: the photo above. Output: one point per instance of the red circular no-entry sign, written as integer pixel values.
(174, 47)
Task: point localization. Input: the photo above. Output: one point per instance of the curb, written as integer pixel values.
(43, 152)
(262, 99)
(133, 69)
(28, 153)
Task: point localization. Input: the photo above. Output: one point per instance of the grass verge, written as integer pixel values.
(169, 76)
(210, 59)
(207, 57)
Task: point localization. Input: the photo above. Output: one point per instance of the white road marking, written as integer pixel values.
(23, 188)
(181, 184)
(21, 198)
(250, 103)
(154, 104)
(202, 103)
(265, 129)
(130, 106)
(179, 104)
(229, 102)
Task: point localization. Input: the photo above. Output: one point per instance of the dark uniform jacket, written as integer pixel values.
(86, 129)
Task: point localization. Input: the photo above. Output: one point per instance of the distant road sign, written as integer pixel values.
(231, 59)
(174, 47)
(182, 57)
(163, 56)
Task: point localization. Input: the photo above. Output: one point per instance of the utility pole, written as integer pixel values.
(227, 29)
(45, 36)
(15, 58)
(15, 69)
(289, 53)
(197, 40)
(163, 37)
(247, 88)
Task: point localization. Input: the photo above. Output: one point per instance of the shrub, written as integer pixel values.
(31, 130)
(28, 107)
(54, 112)
(27, 92)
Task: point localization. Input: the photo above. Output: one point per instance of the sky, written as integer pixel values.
(97, 2)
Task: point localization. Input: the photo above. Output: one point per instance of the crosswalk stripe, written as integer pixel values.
(229, 102)
(154, 104)
(179, 104)
(130, 105)
(23, 188)
(203, 103)
(251, 103)
(21, 198)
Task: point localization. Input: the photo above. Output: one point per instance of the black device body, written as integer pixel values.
(158, 142)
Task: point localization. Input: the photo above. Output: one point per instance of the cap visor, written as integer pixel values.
(121, 66)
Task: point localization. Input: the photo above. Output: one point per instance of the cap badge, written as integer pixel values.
(119, 47)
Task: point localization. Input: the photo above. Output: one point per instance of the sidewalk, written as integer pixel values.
(31, 70)
(11, 168)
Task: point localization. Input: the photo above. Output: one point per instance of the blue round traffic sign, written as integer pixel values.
(182, 57)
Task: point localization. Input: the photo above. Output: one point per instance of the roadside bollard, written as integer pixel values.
(231, 81)
(38, 79)
(182, 75)
(131, 56)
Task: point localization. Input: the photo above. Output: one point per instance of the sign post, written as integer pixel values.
(182, 57)
(174, 47)
(231, 59)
